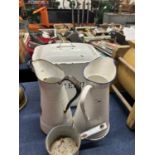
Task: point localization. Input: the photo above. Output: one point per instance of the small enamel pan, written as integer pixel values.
(69, 131)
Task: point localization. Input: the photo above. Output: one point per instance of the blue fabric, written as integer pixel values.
(119, 141)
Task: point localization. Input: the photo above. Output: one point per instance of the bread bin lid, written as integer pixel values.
(65, 53)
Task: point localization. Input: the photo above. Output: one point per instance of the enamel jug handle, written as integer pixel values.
(84, 93)
(77, 86)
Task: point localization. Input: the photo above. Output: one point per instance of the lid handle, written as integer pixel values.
(64, 45)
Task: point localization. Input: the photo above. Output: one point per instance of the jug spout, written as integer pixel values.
(47, 72)
(100, 71)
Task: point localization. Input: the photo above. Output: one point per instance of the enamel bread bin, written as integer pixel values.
(72, 58)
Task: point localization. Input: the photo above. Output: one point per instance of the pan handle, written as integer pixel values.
(77, 86)
(93, 131)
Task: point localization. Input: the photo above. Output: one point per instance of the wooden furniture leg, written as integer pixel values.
(131, 109)
(131, 118)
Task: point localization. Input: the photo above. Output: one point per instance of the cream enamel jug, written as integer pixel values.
(55, 104)
(93, 106)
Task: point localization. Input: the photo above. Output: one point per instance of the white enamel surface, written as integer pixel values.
(93, 106)
(66, 53)
(54, 99)
(102, 67)
(47, 72)
(96, 108)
